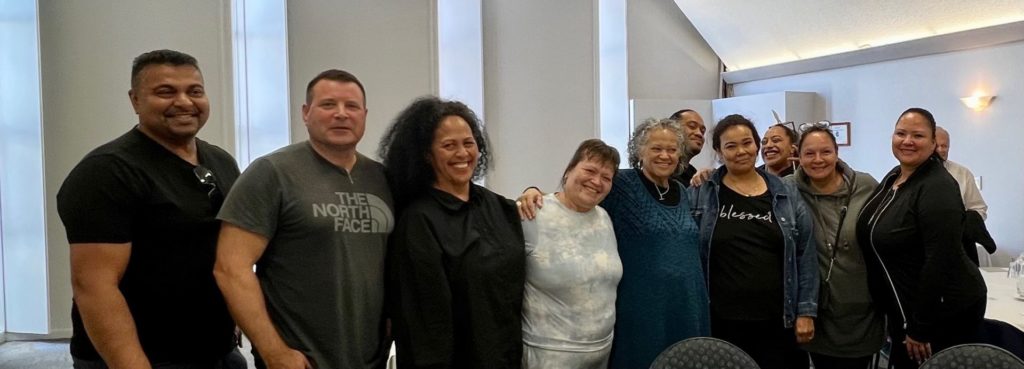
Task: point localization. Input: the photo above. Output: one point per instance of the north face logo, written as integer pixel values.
(357, 212)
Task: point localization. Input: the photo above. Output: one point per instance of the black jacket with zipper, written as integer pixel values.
(917, 269)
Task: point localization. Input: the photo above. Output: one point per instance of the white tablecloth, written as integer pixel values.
(1003, 303)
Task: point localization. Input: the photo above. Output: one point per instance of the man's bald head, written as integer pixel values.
(942, 142)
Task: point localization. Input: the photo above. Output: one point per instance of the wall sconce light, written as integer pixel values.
(977, 102)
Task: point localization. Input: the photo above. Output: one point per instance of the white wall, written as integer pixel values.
(872, 96)
(668, 59)
(86, 53)
(540, 88)
(388, 45)
(541, 84)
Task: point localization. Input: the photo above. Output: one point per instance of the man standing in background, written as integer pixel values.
(975, 231)
(693, 127)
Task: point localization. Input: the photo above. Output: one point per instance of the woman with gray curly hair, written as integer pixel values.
(662, 298)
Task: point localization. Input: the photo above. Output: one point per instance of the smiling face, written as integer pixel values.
(818, 156)
(453, 155)
(171, 102)
(588, 183)
(693, 129)
(336, 115)
(913, 141)
(776, 147)
(738, 149)
(660, 156)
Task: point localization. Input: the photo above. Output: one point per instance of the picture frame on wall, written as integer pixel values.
(842, 132)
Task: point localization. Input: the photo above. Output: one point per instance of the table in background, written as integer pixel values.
(1003, 303)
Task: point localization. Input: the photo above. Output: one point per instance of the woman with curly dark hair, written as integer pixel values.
(456, 256)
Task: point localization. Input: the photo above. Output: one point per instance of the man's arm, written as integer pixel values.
(96, 271)
(237, 251)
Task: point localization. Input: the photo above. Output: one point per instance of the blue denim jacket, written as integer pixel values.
(800, 255)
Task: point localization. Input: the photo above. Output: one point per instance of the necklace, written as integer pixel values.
(661, 195)
(735, 186)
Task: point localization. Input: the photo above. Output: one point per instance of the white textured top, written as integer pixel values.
(572, 273)
(968, 189)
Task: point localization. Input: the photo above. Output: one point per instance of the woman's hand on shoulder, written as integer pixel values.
(702, 176)
(528, 203)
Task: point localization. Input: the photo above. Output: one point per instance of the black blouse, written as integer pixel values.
(457, 271)
(917, 268)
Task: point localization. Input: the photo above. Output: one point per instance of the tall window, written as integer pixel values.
(260, 51)
(613, 71)
(460, 54)
(23, 270)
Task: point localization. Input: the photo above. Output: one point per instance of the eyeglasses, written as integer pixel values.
(206, 178)
(819, 124)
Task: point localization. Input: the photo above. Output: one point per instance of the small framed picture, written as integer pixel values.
(842, 132)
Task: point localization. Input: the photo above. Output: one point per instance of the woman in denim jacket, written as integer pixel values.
(758, 250)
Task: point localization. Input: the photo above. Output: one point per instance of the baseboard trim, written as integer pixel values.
(53, 335)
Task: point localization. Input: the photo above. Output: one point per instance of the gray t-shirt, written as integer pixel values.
(572, 272)
(322, 273)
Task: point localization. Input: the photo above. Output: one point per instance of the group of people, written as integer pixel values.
(323, 256)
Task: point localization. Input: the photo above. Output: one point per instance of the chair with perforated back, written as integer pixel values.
(703, 352)
(973, 356)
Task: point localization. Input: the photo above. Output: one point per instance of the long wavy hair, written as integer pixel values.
(405, 147)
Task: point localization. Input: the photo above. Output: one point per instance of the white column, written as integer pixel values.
(541, 89)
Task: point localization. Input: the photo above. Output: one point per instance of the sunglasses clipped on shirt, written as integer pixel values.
(208, 180)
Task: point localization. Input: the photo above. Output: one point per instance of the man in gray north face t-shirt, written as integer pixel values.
(314, 218)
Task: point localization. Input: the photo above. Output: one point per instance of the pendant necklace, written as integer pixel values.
(661, 195)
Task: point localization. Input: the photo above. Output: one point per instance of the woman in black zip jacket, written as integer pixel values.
(917, 269)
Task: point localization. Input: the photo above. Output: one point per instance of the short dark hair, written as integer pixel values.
(593, 149)
(790, 132)
(160, 57)
(679, 114)
(336, 75)
(817, 129)
(729, 122)
(405, 146)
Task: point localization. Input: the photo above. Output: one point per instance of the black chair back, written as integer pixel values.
(703, 352)
(973, 355)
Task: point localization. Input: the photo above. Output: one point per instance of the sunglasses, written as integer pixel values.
(819, 124)
(207, 179)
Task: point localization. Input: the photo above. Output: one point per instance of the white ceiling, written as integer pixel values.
(752, 33)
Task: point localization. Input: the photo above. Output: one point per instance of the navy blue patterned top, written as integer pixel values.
(662, 298)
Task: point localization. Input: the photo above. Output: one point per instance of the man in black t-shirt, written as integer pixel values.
(140, 217)
(693, 127)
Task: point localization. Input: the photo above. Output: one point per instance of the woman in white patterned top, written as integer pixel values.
(572, 268)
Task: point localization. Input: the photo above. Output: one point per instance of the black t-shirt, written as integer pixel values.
(686, 175)
(132, 190)
(746, 259)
